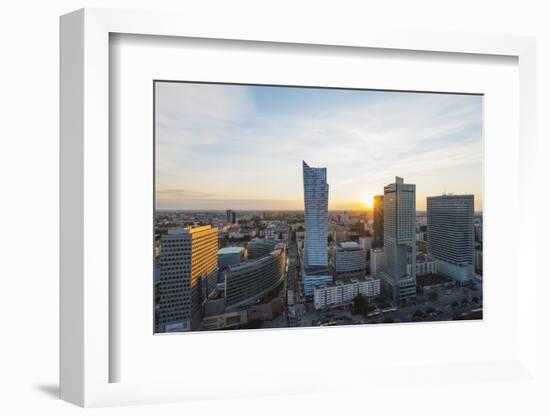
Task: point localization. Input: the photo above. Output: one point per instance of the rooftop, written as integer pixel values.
(231, 250)
(432, 279)
(349, 245)
(346, 281)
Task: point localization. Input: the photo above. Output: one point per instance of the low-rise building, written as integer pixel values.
(421, 246)
(342, 291)
(339, 233)
(348, 260)
(230, 256)
(365, 243)
(260, 247)
(266, 311)
(425, 265)
(312, 277)
(434, 282)
(225, 320)
(246, 282)
(398, 289)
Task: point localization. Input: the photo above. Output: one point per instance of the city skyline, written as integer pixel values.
(363, 138)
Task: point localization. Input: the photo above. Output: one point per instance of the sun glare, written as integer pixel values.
(368, 201)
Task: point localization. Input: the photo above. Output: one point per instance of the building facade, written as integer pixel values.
(250, 280)
(188, 269)
(479, 261)
(398, 278)
(225, 320)
(349, 260)
(478, 230)
(230, 216)
(230, 256)
(315, 260)
(451, 235)
(378, 221)
(260, 247)
(343, 291)
(376, 261)
(425, 265)
(316, 216)
(366, 243)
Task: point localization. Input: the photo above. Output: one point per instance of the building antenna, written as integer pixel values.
(444, 189)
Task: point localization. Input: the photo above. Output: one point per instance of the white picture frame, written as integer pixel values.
(85, 353)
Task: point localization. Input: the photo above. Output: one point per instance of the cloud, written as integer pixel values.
(215, 139)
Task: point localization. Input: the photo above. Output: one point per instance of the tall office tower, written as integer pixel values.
(316, 228)
(478, 230)
(316, 216)
(398, 277)
(188, 272)
(376, 262)
(451, 235)
(230, 216)
(378, 221)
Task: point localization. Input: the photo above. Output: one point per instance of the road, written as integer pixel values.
(302, 314)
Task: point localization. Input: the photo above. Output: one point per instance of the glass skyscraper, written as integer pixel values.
(378, 221)
(316, 216)
(451, 235)
(316, 228)
(398, 277)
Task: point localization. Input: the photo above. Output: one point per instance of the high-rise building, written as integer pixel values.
(451, 235)
(378, 221)
(478, 230)
(316, 228)
(188, 271)
(376, 261)
(230, 216)
(316, 216)
(479, 261)
(398, 277)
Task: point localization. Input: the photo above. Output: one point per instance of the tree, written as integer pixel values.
(418, 313)
(360, 305)
(430, 310)
(254, 324)
(379, 299)
(454, 304)
(433, 296)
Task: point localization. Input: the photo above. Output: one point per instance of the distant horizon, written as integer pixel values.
(274, 210)
(241, 146)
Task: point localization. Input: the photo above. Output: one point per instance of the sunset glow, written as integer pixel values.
(242, 146)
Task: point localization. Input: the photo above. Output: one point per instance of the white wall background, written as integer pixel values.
(29, 185)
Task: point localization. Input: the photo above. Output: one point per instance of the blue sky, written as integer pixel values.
(241, 147)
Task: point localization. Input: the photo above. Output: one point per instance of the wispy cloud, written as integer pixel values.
(222, 140)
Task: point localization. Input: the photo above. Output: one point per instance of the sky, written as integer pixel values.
(241, 147)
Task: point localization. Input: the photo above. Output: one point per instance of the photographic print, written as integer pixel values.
(289, 206)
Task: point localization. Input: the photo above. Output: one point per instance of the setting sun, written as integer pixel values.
(368, 201)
